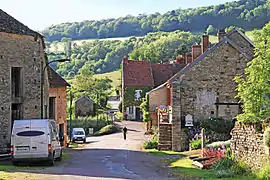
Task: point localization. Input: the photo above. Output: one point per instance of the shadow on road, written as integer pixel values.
(102, 163)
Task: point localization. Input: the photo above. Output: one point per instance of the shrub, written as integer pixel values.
(226, 173)
(224, 163)
(109, 129)
(266, 137)
(240, 168)
(152, 144)
(264, 173)
(217, 125)
(196, 144)
(219, 144)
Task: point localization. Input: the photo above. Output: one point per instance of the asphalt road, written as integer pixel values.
(109, 157)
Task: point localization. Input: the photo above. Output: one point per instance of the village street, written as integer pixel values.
(108, 157)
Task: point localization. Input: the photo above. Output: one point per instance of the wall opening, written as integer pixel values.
(52, 108)
(16, 78)
(16, 113)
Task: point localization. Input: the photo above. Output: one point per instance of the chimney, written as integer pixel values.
(196, 52)
(205, 42)
(221, 34)
(125, 58)
(188, 58)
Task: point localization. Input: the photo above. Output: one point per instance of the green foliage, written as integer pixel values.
(264, 173)
(196, 144)
(120, 106)
(217, 125)
(211, 30)
(253, 89)
(219, 144)
(129, 94)
(228, 29)
(166, 46)
(248, 14)
(151, 144)
(109, 129)
(266, 137)
(226, 167)
(145, 109)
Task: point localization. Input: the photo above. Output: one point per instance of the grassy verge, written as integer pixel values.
(109, 129)
(182, 166)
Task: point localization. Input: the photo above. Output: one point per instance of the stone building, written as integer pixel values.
(22, 59)
(205, 87)
(139, 77)
(84, 106)
(58, 102)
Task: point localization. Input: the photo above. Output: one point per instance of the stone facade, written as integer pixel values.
(247, 145)
(26, 54)
(84, 106)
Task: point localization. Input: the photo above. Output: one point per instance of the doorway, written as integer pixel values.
(138, 114)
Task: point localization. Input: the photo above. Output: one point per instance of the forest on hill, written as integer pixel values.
(106, 56)
(247, 14)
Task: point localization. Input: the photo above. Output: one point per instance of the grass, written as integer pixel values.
(109, 129)
(182, 166)
(115, 76)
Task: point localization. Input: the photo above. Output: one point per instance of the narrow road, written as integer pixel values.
(110, 157)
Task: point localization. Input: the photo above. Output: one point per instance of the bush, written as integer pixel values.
(109, 129)
(224, 163)
(226, 167)
(196, 144)
(266, 137)
(240, 168)
(218, 125)
(226, 173)
(219, 144)
(264, 173)
(152, 144)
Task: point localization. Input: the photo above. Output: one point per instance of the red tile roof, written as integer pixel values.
(137, 74)
(142, 74)
(161, 73)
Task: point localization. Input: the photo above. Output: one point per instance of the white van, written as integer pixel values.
(78, 134)
(35, 140)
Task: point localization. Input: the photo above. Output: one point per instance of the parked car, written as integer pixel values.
(78, 134)
(35, 140)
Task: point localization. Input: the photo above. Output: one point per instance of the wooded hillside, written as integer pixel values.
(247, 14)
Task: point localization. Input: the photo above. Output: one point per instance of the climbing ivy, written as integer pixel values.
(145, 109)
(130, 99)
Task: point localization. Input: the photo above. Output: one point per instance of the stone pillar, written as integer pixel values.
(179, 137)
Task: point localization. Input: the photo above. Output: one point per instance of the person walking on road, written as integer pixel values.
(125, 132)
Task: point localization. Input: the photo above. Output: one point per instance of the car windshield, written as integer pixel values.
(79, 133)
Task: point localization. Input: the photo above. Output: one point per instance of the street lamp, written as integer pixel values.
(42, 81)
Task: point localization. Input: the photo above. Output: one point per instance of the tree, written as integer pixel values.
(254, 88)
(211, 30)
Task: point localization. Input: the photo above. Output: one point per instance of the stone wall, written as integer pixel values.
(209, 80)
(60, 95)
(27, 53)
(165, 137)
(247, 145)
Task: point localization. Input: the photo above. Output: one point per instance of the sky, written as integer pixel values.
(39, 14)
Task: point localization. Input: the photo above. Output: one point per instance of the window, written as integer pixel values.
(16, 81)
(52, 107)
(130, 110)
(30, 133)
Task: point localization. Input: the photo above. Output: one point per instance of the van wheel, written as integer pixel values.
(60, 157)
(51, 160)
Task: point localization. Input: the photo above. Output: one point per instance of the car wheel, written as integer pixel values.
(51, 160)
(60, 157)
